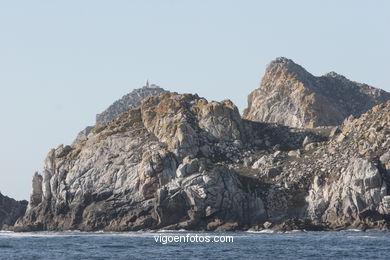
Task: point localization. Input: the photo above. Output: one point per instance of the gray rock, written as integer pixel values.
(296, 153)
(306, 141)
(340, 138)
(335, 130)
(267, 225)
(385, 160)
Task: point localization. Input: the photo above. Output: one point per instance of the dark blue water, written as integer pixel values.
(134, 245)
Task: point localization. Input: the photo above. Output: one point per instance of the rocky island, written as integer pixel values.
(309, 153)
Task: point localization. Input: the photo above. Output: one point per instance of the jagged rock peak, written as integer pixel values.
(291, 96)
(283, 65)
(283, 61)
(128, 101)
(333, 74)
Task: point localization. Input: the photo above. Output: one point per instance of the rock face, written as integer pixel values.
(10, 211)
(179, 161)
(128, 101)
(352, 186)
(291, 96)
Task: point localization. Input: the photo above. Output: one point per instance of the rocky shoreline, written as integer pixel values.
(177, 161)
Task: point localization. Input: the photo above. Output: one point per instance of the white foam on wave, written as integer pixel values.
(166, 231)
(71, 233)
(369, 237)
(34, 234)
(295, 231)
(353, 230)
(267, 231)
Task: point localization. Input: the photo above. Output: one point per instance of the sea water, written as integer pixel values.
(150, 245)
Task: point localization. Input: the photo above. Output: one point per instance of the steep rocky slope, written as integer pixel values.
(291, 96)
(179, 161)
(10, 210)
(128, 101)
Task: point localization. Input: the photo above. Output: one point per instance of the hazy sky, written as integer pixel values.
(61, 62)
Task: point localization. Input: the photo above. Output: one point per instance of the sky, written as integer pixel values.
(62, 62)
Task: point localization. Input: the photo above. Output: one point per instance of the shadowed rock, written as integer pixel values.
(10, 211)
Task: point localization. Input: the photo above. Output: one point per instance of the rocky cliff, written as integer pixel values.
(157, 165)
(178, 161)
(10, 211)
(291, 96)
